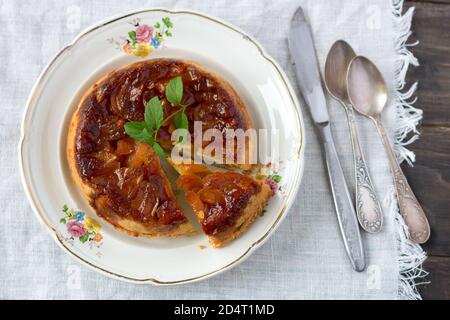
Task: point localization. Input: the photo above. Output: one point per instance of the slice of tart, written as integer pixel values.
(226, 203)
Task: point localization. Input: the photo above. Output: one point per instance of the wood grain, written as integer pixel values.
(439, 277)
(430, 177)
(431, 26)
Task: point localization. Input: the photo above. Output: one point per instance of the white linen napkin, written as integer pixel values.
(305, 258)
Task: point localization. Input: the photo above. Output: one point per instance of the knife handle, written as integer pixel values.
(345, 211)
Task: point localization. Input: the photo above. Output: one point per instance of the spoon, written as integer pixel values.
(367, 92)
(368, 208)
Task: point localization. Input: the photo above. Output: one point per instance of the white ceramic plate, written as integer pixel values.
(222, 48)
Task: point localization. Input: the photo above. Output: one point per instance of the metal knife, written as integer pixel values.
(302, 51)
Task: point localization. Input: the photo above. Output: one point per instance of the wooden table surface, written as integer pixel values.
(430, 176)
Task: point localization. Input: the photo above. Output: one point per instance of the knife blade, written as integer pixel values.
(302, 51)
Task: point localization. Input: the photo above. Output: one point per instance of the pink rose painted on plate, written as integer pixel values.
(144, 33)
(144, 38)
(75, 229)
(82, 227)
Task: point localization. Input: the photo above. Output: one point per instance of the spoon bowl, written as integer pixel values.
(336, 65)
(367, 90)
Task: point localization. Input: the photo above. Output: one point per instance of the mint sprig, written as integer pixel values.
(135, 129)
(147, 130)
(153, 113)
(174, 90)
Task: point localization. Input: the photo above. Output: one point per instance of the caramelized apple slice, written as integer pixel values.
(124, 146)
(190, 183)
(212, 196)
(226, 203)
(142, 155)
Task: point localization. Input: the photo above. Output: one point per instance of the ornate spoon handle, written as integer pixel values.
(410, 209)
(368, 208)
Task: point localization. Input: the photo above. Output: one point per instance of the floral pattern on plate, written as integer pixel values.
(82, 227)
(144, 38)
(269, 172)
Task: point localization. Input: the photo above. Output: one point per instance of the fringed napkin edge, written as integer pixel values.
(410, 255)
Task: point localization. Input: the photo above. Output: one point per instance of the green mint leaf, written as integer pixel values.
(168, 33)
(154, 114)
(167, 22)
(158, 149)
(181, 122)
(148, 137)
(276, 178)
(174, 90)
(65, 208)
(157, 25)
(135, 130)
(62, 220)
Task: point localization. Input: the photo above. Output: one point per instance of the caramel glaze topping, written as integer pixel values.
(218, 198)
(125, 174)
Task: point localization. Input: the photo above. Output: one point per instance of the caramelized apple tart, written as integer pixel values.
(226, 203)
(122, 178)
